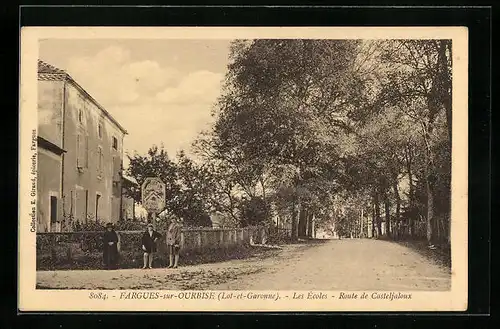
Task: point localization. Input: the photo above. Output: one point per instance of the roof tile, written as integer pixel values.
(44, 67)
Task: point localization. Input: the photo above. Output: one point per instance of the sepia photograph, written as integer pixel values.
(289, 166)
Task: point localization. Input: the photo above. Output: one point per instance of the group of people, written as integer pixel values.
(149, 246)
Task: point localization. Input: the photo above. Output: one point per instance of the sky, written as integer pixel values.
(160, 91)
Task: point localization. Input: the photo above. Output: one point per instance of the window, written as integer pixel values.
(82, 151)
(86, 155)
(100, 160)
(81, 107)
(99, 130)
(79, 151)
(115, 143)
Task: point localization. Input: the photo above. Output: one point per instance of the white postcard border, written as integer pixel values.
(31, 299)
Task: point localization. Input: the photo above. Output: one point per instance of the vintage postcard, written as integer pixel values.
(243, 169)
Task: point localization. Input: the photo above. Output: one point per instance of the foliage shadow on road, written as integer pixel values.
(440, 255)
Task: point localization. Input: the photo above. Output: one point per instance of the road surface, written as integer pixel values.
(350, 264)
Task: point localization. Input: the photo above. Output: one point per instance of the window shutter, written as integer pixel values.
(101, 158)
(79, 160)
(86, 151)
(78, 150)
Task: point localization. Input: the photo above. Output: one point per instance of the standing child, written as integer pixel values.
(149, 240)
(174, 242)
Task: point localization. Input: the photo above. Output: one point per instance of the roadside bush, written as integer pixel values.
(89, 226)
(278, 236)
(93, 225)
(44, 242)
(130, 225)
(255, 211)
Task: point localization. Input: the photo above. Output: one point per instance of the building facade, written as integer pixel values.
(84, 181)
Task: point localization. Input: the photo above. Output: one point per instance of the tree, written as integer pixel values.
(195, 192)
(255, 211)
(155, 163)
(282, 106)
(311, 126)
(231, 178)
(188, 186)
(419, 84)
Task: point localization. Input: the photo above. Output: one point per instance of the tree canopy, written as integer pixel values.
(308, 129)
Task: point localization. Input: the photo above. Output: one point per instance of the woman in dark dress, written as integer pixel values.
(110, 247)
(149, 240)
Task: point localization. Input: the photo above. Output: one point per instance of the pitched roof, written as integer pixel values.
(44, 67)
(50, 72)
(130, 179)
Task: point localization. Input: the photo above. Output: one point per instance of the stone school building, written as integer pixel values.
(80, 155)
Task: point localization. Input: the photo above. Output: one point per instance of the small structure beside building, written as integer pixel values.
(49, 185)
(128, 203)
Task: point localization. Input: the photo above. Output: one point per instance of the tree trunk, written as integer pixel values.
(310, 225)
(368, 226)
(373, 218)
(430, 211)
(361, 224)
(314, 228)
(439, 96)
(448, 230)
(398, 207)
(306, 224)
(444, 83)
(387, 206)
(302, 223)
(377, 215)
(440, 228)
(411, 189)
(429, 182)
(295, 216)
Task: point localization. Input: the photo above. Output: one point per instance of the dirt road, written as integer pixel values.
(332, 265)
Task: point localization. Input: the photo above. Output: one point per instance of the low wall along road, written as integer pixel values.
(83, 250)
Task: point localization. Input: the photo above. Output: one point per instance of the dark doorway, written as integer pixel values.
(53, 209)
(97, 198)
